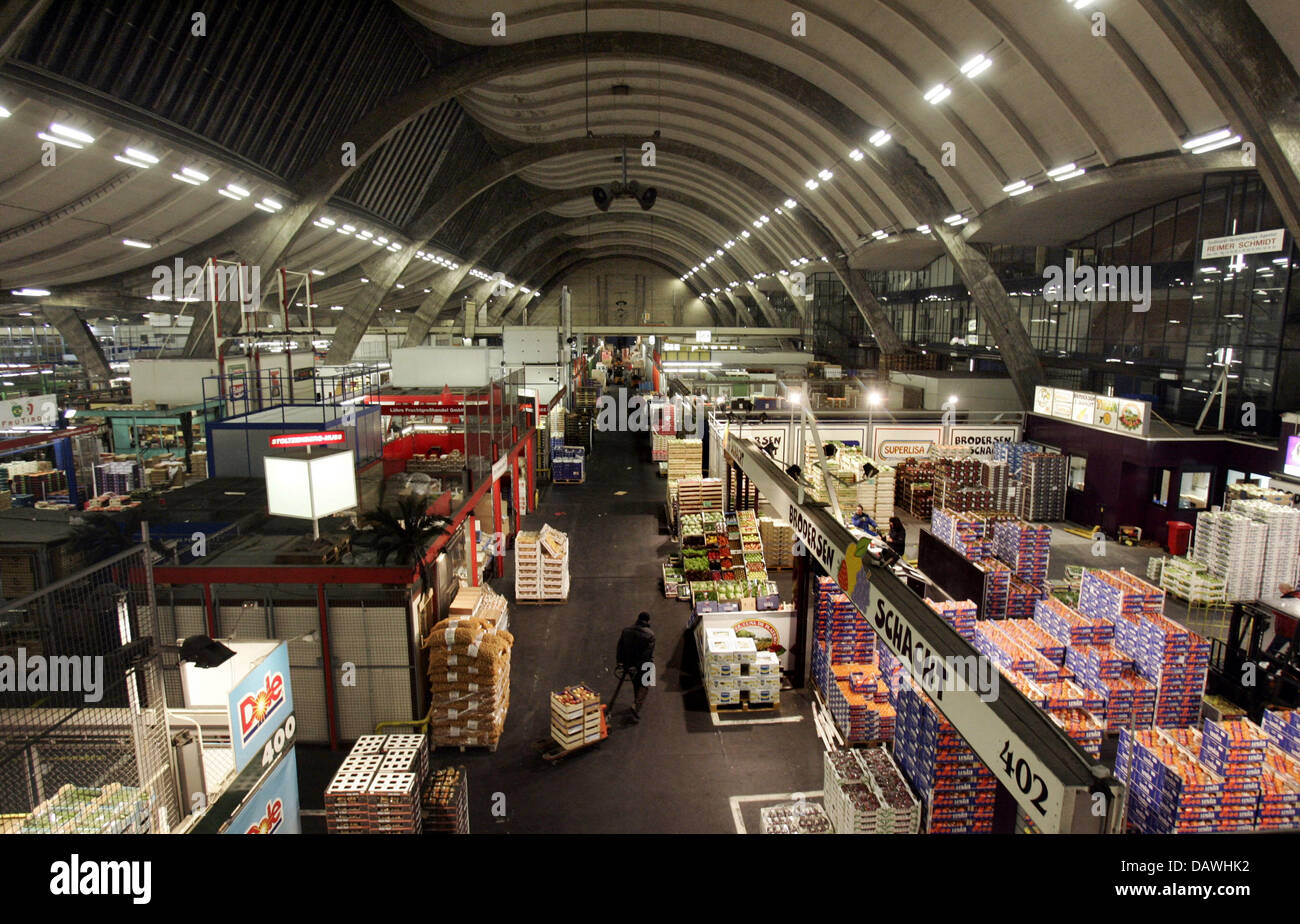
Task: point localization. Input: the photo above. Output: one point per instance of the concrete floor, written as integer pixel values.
(677, 771)
(682, 769)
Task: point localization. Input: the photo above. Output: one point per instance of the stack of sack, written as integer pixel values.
(469, 674)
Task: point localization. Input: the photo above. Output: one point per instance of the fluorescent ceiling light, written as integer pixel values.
(329, 222)
(953, 219)
(825, 175)
(811, 184)
(880, 235)
(317, 272)
(64, 141)
(1021, 190)
(856, 154)
(229, 195)
(364, 279)
(31, 293)
(1214, 146)
(924, 229)
(238, 190)
(744, 234)
(4, 113)
(137, 154)
(763, 219)
(267, 200)
(131, 242)
(976, 66)
(195, 174)
(186, 179)
(264, 207)
(938, 94)
(64, 131)
(1069, 176)
(880, 138)
(790, 203)
(123, 159)
(1064, 168)
(717, 253)
(1202, 140)
(1014, 186)
(348, 228)
(336, 307)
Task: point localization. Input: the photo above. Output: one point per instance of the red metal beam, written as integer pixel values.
(279, 574)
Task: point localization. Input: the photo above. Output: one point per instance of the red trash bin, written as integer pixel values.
(1180, 537)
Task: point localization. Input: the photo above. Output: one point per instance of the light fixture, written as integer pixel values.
(72, 134)
(31, 293)
(1058, 171)
(879, 234)
(1021, 190)
(937, 94)
(880, 138)
(811, 184)
(1216, 145)
(874, 399)
(953, 219)
(196, 175)
(136, 158)
(364, 279)
(131, 242)
(744, 234)
(4, 113)
(825, 175)
(186, 179)
(64, 141)
(976, 66)
(1010, 188)
(924, 229)
(1069, 176)
(717, 253)
(317, 272)
(790, 203)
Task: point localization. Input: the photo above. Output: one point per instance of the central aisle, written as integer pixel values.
(677, 770)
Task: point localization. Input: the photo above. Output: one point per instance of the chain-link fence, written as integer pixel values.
(84, 745)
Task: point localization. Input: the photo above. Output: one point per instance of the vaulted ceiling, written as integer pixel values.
(748, 104)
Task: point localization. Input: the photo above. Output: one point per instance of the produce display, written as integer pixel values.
(1283, 728)
(577, 717)
(777, 537)
(794, 818)
(960, 614)
(114, 809)
(864, 793)
(1192, 581)
(469, 675)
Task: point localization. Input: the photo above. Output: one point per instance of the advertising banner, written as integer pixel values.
(272, 808)
(38, 411)
(258, 705)
(894, 444)
(771, 440)
(771, 630)
(1259, 242)
(981, 440)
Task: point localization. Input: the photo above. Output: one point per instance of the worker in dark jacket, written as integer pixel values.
(636, 655)
(897, 535)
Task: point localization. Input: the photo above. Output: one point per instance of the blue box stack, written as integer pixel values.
(848, 634)
(1170, 792)
(956, 787)
(1012, 454)
(1283, 728)
(567, 463)
(1025, 548)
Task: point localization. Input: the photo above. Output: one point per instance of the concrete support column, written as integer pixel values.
(418, 327)
(1015, 349)
(383, 273)
(80, 339)
(877, 321)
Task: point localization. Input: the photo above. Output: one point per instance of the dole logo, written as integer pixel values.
(256, 708)
(270, 821)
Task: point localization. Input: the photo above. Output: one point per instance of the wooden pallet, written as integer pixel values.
(490, 748)
(744, 706)
(567, 481)
(541, 601)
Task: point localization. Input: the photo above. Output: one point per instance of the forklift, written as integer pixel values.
(1258, 669)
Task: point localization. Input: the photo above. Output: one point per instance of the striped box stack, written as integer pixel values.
(1040, 492)
(119, 477)
(960, 614)
(848, 635)
(1279, 791)
(1281, 552)
(1024, 547)
(997, 587)
(1022, 597)
(1070, 626)
(1233, 547)
(995, 477)
(958, 790)
(1236, 750)
(1177, 661)
(1283, 728)
(1170, 791)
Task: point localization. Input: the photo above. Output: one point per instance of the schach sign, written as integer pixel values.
(291, 440)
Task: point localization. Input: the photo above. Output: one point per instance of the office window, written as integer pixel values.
(1078, 468)
(1194, 490)
(1160, 479)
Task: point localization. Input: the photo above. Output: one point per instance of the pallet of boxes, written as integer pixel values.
(469, 677)
(377, 787)
(542, 566)
(445, 802)
(736, 674)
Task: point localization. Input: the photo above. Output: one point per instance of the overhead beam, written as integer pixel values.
(80, 339)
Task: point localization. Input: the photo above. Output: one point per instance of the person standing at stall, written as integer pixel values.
(897, 535)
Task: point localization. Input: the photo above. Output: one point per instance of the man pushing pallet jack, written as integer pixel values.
(635, 662)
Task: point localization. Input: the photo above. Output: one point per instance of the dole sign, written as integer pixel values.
(259, 705)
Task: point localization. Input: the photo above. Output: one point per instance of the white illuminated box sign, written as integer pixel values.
(310, 487)
(704, 336)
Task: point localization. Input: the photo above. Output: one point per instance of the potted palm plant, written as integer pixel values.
(405, 536)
